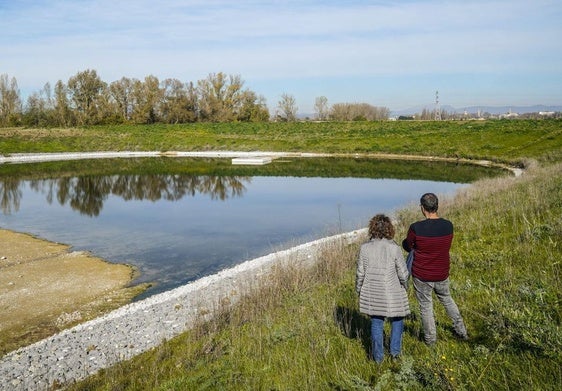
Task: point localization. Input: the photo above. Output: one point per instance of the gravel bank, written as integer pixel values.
(83, 350)
(47, 157)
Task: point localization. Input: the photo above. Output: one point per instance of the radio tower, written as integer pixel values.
(437, 108)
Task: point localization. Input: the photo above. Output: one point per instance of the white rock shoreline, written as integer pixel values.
(58, 156)
(17, 158)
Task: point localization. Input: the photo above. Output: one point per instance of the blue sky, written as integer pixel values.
(386, 53)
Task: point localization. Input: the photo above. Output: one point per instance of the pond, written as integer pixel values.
(177, 220)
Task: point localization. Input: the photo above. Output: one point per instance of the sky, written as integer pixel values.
(394, 54)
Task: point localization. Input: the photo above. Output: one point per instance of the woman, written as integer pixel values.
(381, 284)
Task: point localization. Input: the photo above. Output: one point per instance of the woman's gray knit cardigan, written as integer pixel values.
(381, 279)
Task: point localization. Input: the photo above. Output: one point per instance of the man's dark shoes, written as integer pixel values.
(462, 337)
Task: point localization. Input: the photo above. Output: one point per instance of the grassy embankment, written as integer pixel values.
(501, 141)
(302, 330)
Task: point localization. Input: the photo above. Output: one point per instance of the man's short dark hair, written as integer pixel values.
(429, 202)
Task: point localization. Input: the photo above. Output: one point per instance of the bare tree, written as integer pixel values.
(108, 110)
(147, 98)
(63, 114)
(220, 97)
(85, 90)
(86, 99)
(287, 108)
(121, 93)
(179, 102)
(39, 110)
(321, 108)
(253, 108)
(358, 112)
(10, 101)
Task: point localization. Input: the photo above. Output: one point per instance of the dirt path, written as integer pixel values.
(44, 288)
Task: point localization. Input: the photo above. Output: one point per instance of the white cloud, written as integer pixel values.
(279, 40)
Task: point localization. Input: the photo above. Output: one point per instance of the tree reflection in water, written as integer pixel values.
(10, 194)
(86, 194)
(176, 220)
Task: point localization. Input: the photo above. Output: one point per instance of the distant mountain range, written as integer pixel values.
(476, 109)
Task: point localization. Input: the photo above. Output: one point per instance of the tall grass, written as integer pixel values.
(301, 330)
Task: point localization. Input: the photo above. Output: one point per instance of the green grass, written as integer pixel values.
(301, 329)
(502, 141)
(301, 167)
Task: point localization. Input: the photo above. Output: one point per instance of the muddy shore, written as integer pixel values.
(84, 349)
(45, 287)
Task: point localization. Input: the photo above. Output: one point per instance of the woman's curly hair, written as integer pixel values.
(380, 227)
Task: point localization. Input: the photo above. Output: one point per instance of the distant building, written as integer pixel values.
(509, 115)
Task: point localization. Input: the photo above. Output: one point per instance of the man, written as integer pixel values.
(431, 240)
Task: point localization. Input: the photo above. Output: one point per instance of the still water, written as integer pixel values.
(176, 228)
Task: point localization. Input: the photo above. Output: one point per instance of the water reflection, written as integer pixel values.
(178, 220)
(87, 194)
(10, 194)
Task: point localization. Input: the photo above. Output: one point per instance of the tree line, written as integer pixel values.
(85, 99)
